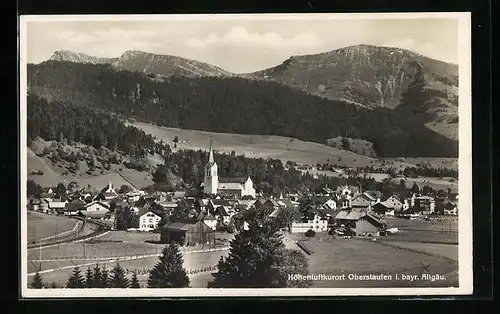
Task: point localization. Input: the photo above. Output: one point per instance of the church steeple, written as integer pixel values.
(211, 154)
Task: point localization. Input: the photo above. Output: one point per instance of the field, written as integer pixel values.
(445, 224)
(41, 226)
(362, 257)
(106, 249)
(433, 161)
(435, 183)
(258, 146)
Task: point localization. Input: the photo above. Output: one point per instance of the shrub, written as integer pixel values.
(310, 233)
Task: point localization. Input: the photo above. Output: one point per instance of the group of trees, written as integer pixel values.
(237, 105)
(96, 277)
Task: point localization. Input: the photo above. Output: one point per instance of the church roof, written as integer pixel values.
(240, 180)
(230, 186)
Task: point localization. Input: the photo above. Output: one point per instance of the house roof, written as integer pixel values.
(168, 204)
(375, 217)
(240, 180)
(273, 202)
(144, 211)
(373, 194)
(275, 213)
(74, 205)
(220, 202)
(92, 203)
(394, 197)
(179, 226)
(350, 215)
(209, 217)
(221, 210)
(179, 194)
(383, 204)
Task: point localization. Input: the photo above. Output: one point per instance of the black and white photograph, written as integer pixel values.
(246, 154)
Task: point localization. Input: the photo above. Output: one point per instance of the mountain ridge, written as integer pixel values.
(363, 75)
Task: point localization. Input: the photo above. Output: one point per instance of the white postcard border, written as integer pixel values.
(465, 168)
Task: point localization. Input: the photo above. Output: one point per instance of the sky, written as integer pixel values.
(243, 44)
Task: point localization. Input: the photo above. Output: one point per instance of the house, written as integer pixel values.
(210, 221)
(451, 208)
(228, 187)
(423, 204)
(178, 195)
(73, 207)
(363, 200)
(187, 233)
(382, 208)
(135, 195)
(316, 223)
(394, 202)
(96, 207)
(56, 205)
(148, 220)
(360, 221)
(326, 191)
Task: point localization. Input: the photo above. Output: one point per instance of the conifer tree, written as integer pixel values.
(134, 283)
(169, 272)
(118, 278)
(257, 257)
(89, 278)
(103, 281)
(37, 282)
(76, 279)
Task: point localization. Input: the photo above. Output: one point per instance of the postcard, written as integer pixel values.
(246, 155)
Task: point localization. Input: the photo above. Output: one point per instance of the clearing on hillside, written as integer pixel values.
(259, 146)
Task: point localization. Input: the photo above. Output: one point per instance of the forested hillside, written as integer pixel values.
(235, 105)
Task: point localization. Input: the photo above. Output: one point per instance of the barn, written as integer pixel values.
(360, 221)
(187, 233)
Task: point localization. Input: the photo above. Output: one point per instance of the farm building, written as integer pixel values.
(360, 221)
(187, 233)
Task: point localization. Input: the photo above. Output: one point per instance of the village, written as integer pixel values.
(178, 216)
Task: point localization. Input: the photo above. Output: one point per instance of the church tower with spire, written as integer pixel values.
(211, 181)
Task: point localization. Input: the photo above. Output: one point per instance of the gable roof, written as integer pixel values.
(373, 194)
(219, 202)
(144, 211)
(209, 217)
(74, 205)
(96, 202)
(383, 204)
(350, 215)
(240, 180)
(230, 186)
(179, 226)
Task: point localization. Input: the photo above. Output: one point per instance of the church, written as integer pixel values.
(233, 187)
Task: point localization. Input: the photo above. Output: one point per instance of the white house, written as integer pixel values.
(148, 221)
(210, 221)
(96, 207)
(317, 224)
(56, 205)
(394, 202)
(229, 187)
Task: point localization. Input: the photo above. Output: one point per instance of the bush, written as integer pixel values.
(310, 233)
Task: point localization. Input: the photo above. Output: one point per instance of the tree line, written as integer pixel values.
(237, 105)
